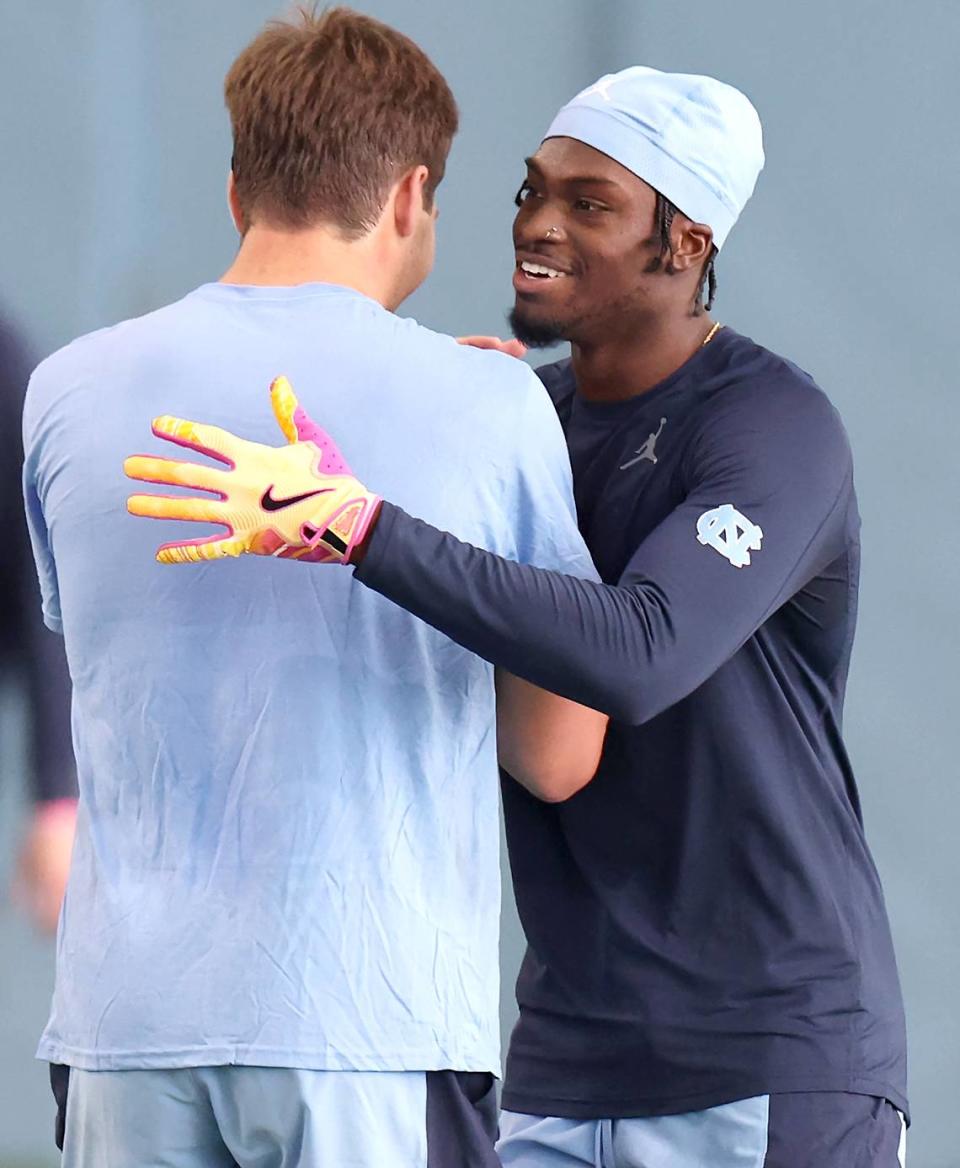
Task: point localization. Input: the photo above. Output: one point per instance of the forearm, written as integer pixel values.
(583, 640)
(550, 745)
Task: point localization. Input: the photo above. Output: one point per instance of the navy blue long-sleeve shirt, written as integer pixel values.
(704, 919)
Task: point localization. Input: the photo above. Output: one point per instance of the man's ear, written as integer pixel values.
(410, 201)
(692, 243)
(233, 203)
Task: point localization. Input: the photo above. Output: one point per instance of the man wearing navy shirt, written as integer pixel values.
(710, 978)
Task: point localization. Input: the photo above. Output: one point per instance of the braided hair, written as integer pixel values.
(663, 215)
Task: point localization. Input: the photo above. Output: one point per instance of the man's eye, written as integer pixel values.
(526, 190)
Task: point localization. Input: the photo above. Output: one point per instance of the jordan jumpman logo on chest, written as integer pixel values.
(647, 450)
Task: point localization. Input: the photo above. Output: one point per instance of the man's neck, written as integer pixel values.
(280, 259)
(625, 367)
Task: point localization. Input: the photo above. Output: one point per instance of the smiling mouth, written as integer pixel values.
(533, 279)
(540, 271)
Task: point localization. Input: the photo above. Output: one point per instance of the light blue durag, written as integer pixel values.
(695, 140)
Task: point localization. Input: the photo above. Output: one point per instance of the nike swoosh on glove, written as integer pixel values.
(298, 501)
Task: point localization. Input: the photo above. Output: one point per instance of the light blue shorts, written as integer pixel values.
(262, 1117)
(825, 1129)
(733, 1135)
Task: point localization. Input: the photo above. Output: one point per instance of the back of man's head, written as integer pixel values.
(327, 113)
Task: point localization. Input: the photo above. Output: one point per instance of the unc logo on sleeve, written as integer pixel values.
(730, 533)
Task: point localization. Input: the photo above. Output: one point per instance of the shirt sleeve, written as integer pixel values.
(39, 535)
(768, 484)
(38, 655)
(53, 769)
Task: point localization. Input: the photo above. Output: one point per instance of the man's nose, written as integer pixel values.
(543, 225)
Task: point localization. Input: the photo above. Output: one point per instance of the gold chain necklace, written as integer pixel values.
(711, 334)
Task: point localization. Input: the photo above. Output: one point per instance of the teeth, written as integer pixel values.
(540, 270)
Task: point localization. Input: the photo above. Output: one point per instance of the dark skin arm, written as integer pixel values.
(550, 745)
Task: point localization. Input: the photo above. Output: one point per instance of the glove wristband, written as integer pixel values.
(340, 533)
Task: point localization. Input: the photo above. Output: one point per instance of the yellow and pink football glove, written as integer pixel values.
(298, 501)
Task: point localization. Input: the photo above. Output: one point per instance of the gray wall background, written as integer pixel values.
(114, 149)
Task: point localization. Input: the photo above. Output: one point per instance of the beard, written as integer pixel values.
(537, 334)
(626, 312)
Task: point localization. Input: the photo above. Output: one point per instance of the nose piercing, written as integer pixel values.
(551, 231)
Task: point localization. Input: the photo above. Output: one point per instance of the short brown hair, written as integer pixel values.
(327, 113)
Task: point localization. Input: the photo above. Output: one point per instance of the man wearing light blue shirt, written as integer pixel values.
(286, 864)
